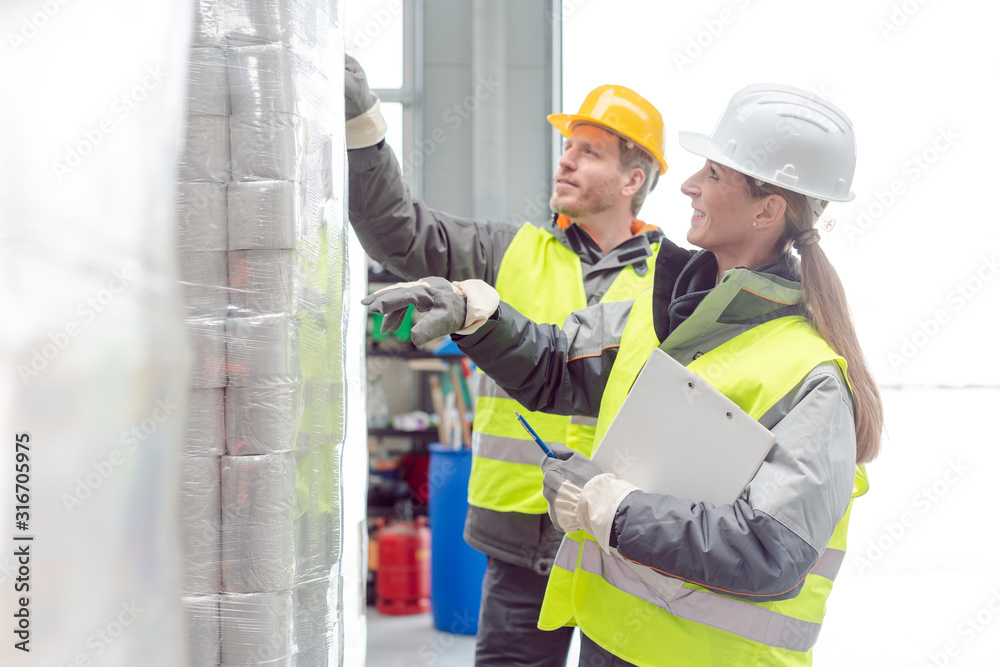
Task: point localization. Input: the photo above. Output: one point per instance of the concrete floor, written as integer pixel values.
(412, 641)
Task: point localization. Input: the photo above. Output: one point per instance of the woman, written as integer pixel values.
(776, 338)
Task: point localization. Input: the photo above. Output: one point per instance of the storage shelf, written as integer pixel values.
(396, 433)
(411, 354)
(387, 497)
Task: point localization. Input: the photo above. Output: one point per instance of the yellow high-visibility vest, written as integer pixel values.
(699, 627)
(543, 280)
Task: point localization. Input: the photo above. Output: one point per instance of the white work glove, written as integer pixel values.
(449, 308)
(580, 495)
(365, 124)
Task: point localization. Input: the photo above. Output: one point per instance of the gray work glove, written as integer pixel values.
(580, 495)
(460, 307)
(365, 124)
(449, 308)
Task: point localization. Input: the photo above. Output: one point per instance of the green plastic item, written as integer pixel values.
(402, 333)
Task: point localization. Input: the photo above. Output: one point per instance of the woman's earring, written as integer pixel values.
(754, 223)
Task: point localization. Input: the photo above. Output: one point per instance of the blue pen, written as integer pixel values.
(545, 448)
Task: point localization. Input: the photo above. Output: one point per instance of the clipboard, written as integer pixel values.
(677, 434)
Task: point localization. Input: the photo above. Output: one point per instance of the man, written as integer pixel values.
(594, 249)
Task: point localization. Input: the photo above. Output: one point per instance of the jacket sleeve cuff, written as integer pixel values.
(599, 503)
(481, 302)
(367, 129)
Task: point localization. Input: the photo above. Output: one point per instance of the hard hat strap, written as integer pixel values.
(816, 204)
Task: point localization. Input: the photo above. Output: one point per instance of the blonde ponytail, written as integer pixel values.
(825, 305)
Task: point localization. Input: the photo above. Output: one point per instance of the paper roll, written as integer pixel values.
(205, 431)
(262, 215)
(256, 629)
(329, 397)
(206, 149)
(262, 420)
(321, 655)
(262, 350)
(201, 524)
(258, 21)
(258, 493)
(202, 221)
(204, 280)
(311, 613)
(317, 543)
(208, 81)
(311, 77)
(261, 79)
(258, 557)
(204, 634)
(207, 337)
(263, 281)
(207, 24)
(317, 519)
(265, 146)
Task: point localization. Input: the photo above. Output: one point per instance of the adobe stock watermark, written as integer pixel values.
(378, 20)
(460, 624)
(957, 298)
(454, 117)
(31, 25)
(913, 169)
(705, 37)
(105, 637)
(970, 627)
(899, 15)
(922, 503)
(535, 208)
(121, 108)
(8, 567)
(759, 155)
(568, 7)
(85, 487)
(632, 623)
(88, 310)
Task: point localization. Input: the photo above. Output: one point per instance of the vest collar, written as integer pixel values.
(638, 226)
(633, 251)
(743, 298)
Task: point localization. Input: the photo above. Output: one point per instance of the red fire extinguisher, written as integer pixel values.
(403, 580)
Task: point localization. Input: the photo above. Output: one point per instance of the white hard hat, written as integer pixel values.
(784, 136)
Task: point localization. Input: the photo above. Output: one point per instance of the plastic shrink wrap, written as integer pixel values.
(173, 269)
(261, 253)
(93, 350)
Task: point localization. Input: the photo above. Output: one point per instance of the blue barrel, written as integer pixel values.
(457, 569)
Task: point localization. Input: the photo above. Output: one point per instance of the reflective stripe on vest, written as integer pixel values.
(827, 566)
(732, 615)
(543, 280)
(626, 616)
(517, 450)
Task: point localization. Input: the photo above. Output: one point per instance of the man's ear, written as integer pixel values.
(636, 178)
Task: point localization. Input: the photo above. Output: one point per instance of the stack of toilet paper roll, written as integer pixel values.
(258, 493)
(202, 244)
(264, 398)
(260, 496)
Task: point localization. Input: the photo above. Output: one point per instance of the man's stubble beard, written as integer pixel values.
(593, 201)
